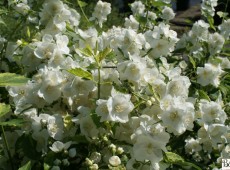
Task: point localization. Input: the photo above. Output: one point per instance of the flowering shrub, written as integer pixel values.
(134, 96)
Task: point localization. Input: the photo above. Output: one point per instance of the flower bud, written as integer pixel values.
(114, 161)
(120, 150)
(72, 152)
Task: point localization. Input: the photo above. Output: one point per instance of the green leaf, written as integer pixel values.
(211, 22)
(158, 3)
(192, 61)
(81, 3)
(81, 73)
(46, 166)
(3, 11)
(225, 54)
(2, 21)
(173, 158)
(103, 54)
(88, 52)
(203, 95)
(12, 79)
(28, 32)
(26, 166)
(13, 122)
(4, 109)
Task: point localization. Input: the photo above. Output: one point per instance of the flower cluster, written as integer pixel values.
(121, 98)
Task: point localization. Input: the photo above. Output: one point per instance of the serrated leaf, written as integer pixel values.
(81, 3)
(81, 73)
(88, 52)
(102, 54)
(13, 122)
(12, 79)
(4, 109)
(27, 166)
(173, 158)
(203, 95)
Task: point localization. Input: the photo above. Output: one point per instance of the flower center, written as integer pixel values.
(174, 115)
(119, 108)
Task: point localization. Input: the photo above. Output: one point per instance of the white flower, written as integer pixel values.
(178, 115)
(74, 18)
(60, 18)
(131, 71)
(132, 23)
(145, 148)
(58, 146)
(216, 133)
(45, 48)
(41, 138)
(102, 110)
(209, 74)
(119, 107)
(192, 146)
(55, 126)
(212, 112)
(225, 63)
(162, 40)
(114, 161)
(50, 9)
(178, 86)
(88, 37)
(138, 8)
(101, 10)
(50, 89)
(208, 7)
(200, 30)
(22, 8)
(224, 28)
(167, 13)
(62, 42)
(132, 42)
(87, 126)
(156, 131)
(216, 42)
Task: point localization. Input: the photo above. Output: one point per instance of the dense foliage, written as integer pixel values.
(82, 88)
